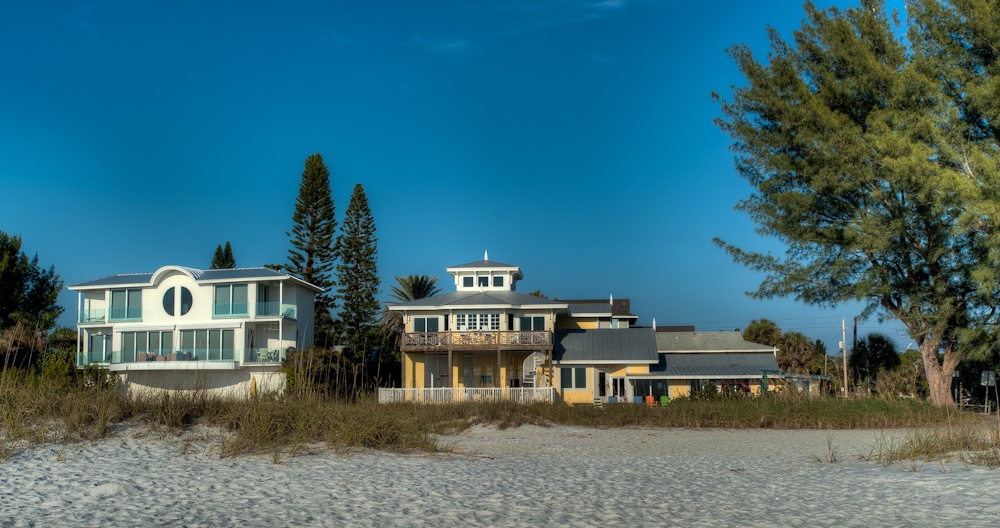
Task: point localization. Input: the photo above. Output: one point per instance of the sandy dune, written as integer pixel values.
(562, 476)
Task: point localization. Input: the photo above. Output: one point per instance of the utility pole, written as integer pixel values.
(843, 344)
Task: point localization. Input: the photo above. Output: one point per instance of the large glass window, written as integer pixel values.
(425, 324)
(532, 322)
(467, 282)
(573, 378)
(498, 281)
(142, 343)
(126, 304)
(484, 282)
(230, 300)
(211, 345)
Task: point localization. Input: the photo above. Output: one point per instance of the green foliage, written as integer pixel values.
(28, 293)
(795, 353)
(872, 158)
(311, 256)
(873, 354)
(762, 332)
(357, 275)
(406, 289)
(223, 257)
(58, 363)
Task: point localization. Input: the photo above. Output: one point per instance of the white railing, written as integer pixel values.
(525, 395)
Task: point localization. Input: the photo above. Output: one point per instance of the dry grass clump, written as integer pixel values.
(36, 410)
(967, 443)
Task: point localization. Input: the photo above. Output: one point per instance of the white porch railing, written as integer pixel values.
(525, 395)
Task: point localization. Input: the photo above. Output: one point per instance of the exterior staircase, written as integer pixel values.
(530, 368)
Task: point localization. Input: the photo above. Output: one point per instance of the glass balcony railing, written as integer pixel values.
(93, 315)
(248, 355)
(131, 313)
(273, 309)
(236, 309)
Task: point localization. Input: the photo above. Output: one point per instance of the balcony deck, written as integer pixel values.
(476, 340)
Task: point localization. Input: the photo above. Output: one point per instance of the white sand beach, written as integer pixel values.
(541, 476)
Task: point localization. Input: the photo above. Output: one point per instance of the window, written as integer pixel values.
(498, 282)
(425, 324)
(230, 300)
(169, 305)
(573, 378)
(185, 301)
(532, 322)
(467, 282)
(485, 321)
(211, 345)
(484, 282)
(168, 301)
(126, 304)
(138, 343)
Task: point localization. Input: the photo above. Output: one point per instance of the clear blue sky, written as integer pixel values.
(573, 139)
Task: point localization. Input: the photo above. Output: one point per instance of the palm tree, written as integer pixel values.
(410, 288)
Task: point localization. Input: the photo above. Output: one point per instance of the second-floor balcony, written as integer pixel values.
(92, 315)
(273, 309)
(477, 340)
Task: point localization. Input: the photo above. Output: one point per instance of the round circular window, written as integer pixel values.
(185, 300)
(168, 301)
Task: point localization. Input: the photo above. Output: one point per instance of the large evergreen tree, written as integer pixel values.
(28, 297)
(873, 159)
(311, 256)
(223, 257)
(357, 274)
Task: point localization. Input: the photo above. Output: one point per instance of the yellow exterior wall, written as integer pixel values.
(575, 396)
(414, 370)
(575, 324)
(677, 390)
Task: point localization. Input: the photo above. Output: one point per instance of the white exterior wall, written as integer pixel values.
(229, 377)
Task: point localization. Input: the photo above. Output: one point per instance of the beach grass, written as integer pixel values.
(35, 410)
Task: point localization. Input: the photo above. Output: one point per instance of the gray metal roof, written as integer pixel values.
(611, 345)
(475, 298)
(484, 264)
(240, 273)
(576, 309)
(116, 280)
(715, 365)
(146, 279)
(724, 341)
(727, 372)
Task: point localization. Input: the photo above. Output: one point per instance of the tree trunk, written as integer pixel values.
(938, 374)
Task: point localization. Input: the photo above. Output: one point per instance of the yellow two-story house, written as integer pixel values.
(486, 341)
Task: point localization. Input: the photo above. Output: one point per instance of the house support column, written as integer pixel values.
(501, 374)
(451, 375)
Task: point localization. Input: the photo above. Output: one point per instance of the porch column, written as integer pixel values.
(500, 371)
(281, 320)
(402, 370)
(79, 312)
(451, 377)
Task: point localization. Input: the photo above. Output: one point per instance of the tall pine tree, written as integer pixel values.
(357, 275)
(311, 256)
(223, 258)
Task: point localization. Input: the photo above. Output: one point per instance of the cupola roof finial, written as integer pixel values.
(486, 254)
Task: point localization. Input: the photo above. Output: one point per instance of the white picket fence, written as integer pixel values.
(525, 395)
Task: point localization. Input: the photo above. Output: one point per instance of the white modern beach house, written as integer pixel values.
(225, 331)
